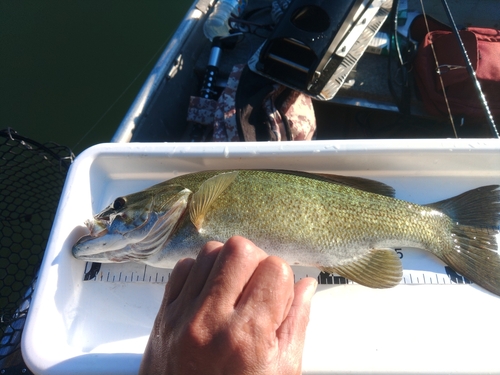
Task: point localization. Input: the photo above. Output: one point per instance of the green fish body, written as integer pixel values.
(344, 225)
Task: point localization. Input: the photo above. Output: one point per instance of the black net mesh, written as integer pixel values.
(31, 179)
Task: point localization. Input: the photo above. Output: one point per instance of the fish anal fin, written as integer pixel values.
(377, 268)
(208, 192)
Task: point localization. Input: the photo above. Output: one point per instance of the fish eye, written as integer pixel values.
(119, 203)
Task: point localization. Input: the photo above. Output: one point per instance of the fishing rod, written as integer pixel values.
(471, 71)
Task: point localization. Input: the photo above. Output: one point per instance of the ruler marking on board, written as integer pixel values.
(419, 267)
(160, 276)
(125, 273)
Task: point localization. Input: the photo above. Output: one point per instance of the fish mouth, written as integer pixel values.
(97, 228)
(91, 236)
(85, 238)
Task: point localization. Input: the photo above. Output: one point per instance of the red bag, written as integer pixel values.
(483, 48)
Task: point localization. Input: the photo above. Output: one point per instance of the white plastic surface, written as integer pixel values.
(77, 327)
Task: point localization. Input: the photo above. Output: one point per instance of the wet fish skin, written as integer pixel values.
(330, 222)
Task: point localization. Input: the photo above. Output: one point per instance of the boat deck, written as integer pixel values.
(363, 107)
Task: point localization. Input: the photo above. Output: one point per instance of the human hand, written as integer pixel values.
(233, 310)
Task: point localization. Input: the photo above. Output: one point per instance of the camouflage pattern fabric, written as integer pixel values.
(225, 124)
(293, 120)
(298, 110)
(201, 110)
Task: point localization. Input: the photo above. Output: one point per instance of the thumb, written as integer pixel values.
(291, 334)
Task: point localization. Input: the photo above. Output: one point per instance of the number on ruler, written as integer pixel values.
(399, 252)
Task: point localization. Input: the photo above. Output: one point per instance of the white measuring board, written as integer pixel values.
(419, 267)
(102, 326)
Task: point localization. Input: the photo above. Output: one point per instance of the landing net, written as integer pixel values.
(32, 176)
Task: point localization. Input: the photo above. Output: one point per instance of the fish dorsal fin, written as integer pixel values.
(361, 183)
(378, 268)
(208, 192)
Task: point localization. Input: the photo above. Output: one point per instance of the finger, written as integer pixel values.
(202, 268)
(268, 296)
(234, 266)
(177, 279)
(292, 331)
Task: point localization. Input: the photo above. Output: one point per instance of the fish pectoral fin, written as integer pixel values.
(208, 192)
(378, 268)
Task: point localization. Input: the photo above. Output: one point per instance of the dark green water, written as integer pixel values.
(69, 65)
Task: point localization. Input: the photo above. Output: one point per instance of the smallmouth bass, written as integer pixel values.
(344, 225)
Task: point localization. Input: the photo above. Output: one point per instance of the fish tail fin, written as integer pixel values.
(476, 217)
